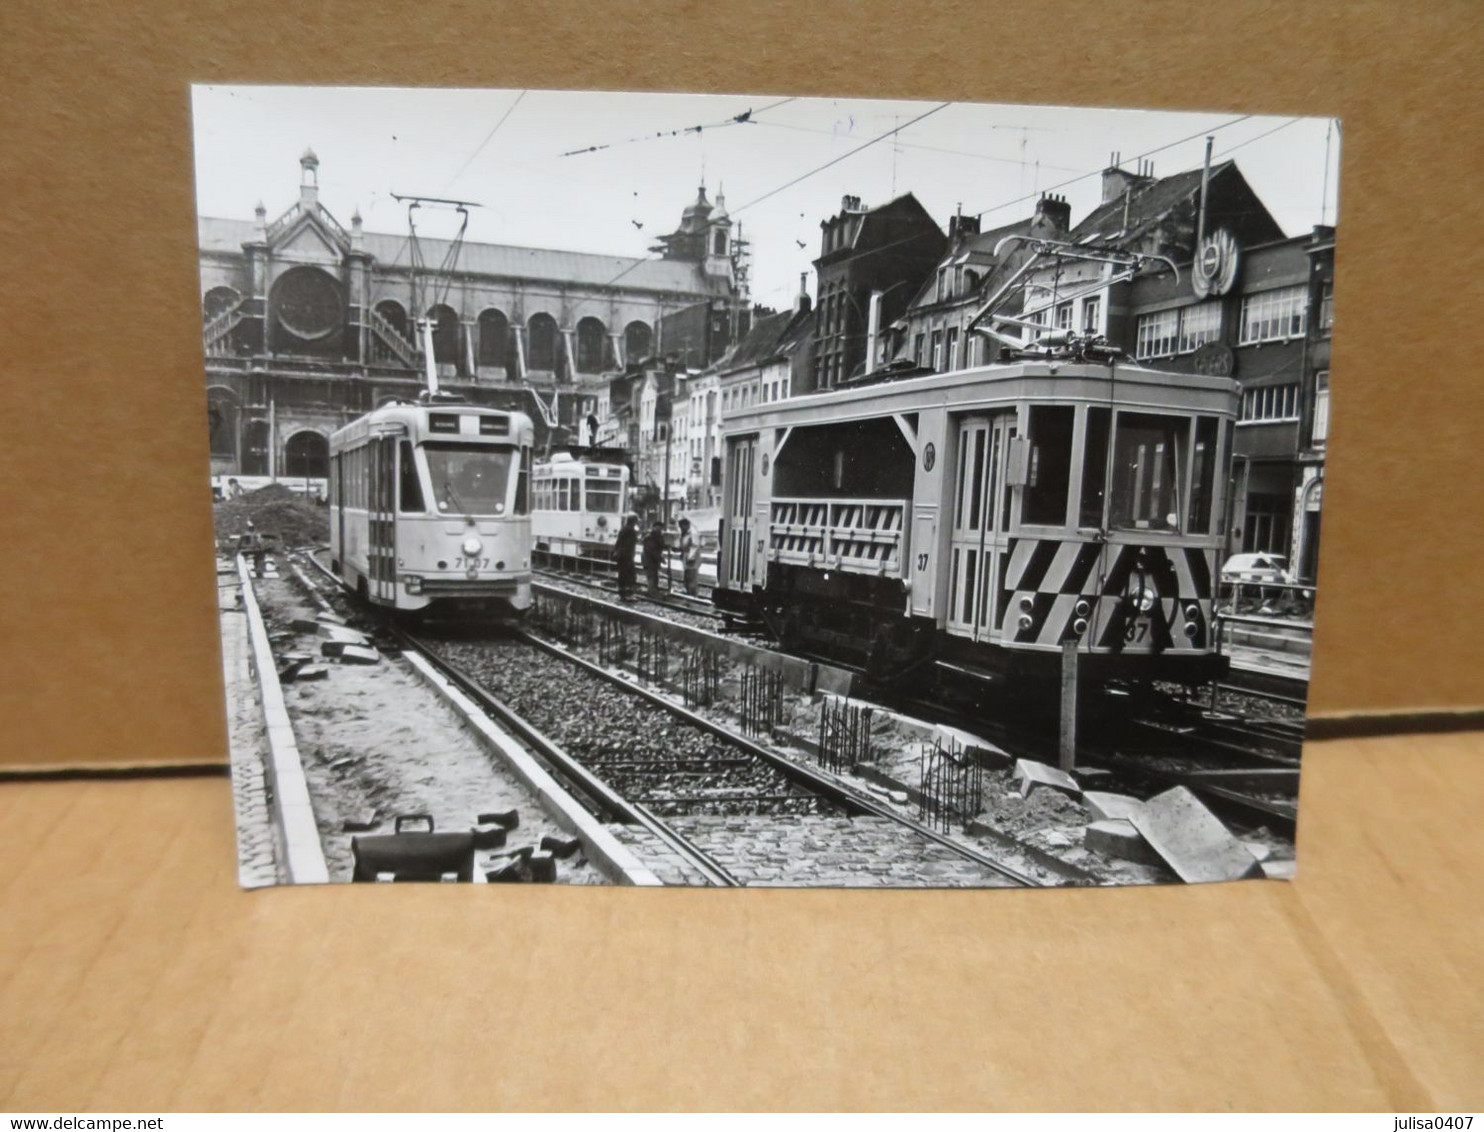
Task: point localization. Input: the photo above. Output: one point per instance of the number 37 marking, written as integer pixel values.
(922, 561)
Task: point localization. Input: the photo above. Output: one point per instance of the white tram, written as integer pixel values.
(987, 516)
(579, 506)
(430, 507)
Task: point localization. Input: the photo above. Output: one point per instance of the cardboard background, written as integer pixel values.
(109, 624)
(135, 976)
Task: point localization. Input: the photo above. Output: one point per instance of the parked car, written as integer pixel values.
(1260, 568)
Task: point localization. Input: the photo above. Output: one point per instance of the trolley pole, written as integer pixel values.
(1068, 760)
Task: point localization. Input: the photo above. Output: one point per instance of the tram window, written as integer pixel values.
(469, 479)
(1202, 475)
(603, 496)
(1094, 467)
(523, 484)
(409, 488)
(1147, 464)
(1050, 471)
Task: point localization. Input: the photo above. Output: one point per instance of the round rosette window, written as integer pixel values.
(307, 304)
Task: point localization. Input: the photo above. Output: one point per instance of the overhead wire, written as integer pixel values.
(742, 119)
(836, 160)
(509, 110)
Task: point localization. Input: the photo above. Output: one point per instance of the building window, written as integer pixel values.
(1157, 334)
(719, 247)
(1321, 408)
(951, 353)
(1271, 316)
(942, 283)
(1039, 318)
(1198, 325)
(1270, 403)
(1268, 521)
(1327, 309)
(937, 362)
(917, 349)
(1064, 316)
(1092, 315)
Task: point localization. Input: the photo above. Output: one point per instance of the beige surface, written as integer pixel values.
(135, 977)
(108, 609)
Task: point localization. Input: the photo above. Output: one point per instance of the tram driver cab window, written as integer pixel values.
(410, 489)
(1049, 474)
(1148, 463)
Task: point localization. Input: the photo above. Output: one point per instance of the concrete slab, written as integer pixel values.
(351, 654)
(1192, 840)
(343, 635)
(329, 619)
(1032, 774)
(1117, 837)
(982, 749)
(1104, 806)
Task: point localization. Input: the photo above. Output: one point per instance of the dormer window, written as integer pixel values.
(719, 242)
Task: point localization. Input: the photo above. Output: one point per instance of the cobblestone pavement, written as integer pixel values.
(257, 865)
(864, 852)
(658, 857)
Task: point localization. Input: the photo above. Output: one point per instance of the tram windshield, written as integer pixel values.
(1148, 461)
(469, 479)
(603, 496)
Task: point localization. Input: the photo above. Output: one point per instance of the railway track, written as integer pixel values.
(734, 811)
(692, 799)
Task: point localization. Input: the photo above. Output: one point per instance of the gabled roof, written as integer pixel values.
(1152, 202)
(772, 336)
(583, 268)
(976, 251)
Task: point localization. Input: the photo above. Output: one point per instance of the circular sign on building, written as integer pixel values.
(929, 457)
(1215, 267)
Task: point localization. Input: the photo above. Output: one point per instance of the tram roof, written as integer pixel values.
(1027, 379)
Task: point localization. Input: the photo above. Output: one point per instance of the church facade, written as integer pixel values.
(308, 324)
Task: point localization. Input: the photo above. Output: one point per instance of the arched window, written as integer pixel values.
(636, 340)
(306, 456)
(542, 354)
(217, 300)
(719, 242)
(308, 312)
(255, 449)
(396, 314)
(446, 337)
(223, 413)
(494, 337)
(592, 343)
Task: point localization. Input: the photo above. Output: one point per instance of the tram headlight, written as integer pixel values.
(1027, 604)
(1082, 608)
(1079, 626)
(1143, 599)
(1191, 629)
(1192, 612)
(471, 547)
(1025, 621)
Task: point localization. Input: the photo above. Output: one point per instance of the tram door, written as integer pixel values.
(382, 516)
(981, 518)
(740, 456)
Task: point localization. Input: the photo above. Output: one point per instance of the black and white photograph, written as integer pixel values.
(754, 490)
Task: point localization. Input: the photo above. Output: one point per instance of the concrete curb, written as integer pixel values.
(294, 830)
(602, 848)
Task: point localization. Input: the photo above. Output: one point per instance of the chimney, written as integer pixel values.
(850, 204)
(1117, 181)
(873, 329)
(801, 300)
(961, 225)
(1053, 215)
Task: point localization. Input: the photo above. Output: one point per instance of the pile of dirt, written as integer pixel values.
(274, 510)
